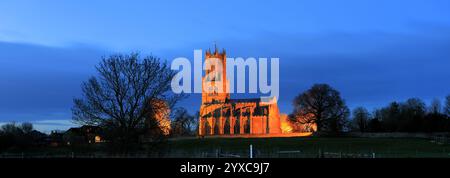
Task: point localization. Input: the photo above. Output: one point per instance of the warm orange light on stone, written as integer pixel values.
(286, 125)
(162, 115)
(220, 115)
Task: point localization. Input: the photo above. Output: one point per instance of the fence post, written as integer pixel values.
(251, 151)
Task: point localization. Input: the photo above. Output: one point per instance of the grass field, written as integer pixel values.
(289, 147)
(311, 147)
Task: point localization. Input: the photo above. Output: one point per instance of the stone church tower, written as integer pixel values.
(217, 89)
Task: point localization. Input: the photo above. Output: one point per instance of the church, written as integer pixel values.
(222, 115)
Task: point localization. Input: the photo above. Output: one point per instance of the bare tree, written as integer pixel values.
(447, 106)
(183, 123)
(435, 106)
(122, 96)
(26, 127)
(11, 129)
(361, 118)
(321, 105)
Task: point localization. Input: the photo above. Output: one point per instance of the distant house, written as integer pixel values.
(83, 135)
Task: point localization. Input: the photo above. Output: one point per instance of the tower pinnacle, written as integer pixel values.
(215, 48)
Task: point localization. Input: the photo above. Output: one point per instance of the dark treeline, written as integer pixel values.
(323, 106)
(412, 115)
(21, 136)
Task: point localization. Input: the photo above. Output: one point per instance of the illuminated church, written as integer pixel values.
(221, 115)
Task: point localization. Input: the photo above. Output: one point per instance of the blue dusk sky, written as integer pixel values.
(372, 51)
